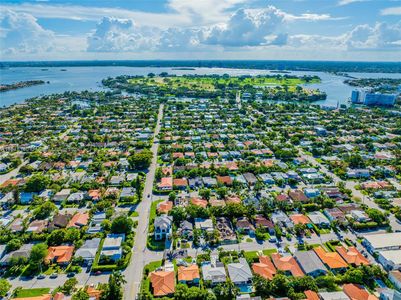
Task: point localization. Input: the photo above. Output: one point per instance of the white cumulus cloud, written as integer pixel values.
(121, 35)
(380, 36)
(249, 28)
(20, 33)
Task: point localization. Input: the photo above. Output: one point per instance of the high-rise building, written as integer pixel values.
(372, 99)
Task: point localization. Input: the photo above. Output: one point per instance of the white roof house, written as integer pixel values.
(318, 218)
(240, 272)
(215, 272)
(383, 241)
(333, 296)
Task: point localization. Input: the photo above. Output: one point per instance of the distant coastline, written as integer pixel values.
(19, 85)
(277, 65)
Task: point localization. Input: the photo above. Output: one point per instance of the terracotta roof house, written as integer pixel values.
(60, 254)
(300, 219)
(283, 198)
(93, 293)
(357, 292)
(352, 256)
(298, 196)
(163, 283)
(180, 183)
(264, 268)
(164, 207)
(226, 180)
(189, 274)
(78, 220)
(288, 264)
(331, 260)
(43, 297)
(199, 202)
(233, 199)
(166, 183)
(311, 295)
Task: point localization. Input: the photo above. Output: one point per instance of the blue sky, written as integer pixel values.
(368, 30)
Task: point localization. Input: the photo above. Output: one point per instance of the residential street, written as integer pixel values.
(133, 273)
(349, 184)
(12, 173)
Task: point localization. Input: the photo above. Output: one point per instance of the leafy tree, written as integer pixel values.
(56, 237)
(36, 183)
(222, 192)
(43, 211)
(205, 193)
(81, 295)
(122, 224)
(38, 254)
(262, 286)
(69, 286)
(13, 244)
(376, 215)
(5, 286)
(226, 290)
(114, 288)
(178, 213)
(141, 160)
(172, 196)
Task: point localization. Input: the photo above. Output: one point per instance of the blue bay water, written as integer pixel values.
(89, 78)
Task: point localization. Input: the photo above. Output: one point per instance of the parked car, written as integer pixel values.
(41, 276)
(54, 275)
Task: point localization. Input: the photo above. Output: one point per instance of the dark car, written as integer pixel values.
(70, 274)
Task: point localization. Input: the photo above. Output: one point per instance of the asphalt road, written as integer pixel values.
(141, 256)
(350, 184)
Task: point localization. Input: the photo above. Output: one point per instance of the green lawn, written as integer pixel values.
(253, 255)
(209, 83)
(24, 293)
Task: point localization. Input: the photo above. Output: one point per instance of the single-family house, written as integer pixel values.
(310, 263)
(59, 254)
(287, 264)
(240, 273)
(112, 246)
(318, 219)
(162, 226)
(264, 268)
(163, 283)
(188, 274)
(357, 292)
(332, 260)
(214, 272)
(88, 250)
(352, 256)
